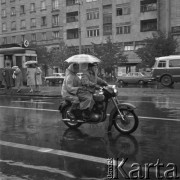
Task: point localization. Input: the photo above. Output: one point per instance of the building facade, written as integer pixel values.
(47, 22)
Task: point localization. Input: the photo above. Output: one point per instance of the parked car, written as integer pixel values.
(134, 78)
(167, 69)
(55, 78)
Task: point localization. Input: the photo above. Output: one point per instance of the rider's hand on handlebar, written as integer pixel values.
(97, 86)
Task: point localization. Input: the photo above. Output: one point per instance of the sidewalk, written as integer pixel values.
(55, 91)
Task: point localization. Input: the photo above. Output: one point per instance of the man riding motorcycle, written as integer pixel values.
(89, 81)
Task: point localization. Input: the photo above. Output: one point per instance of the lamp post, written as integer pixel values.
(79, 30)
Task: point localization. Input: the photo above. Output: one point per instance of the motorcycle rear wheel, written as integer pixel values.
(128, 126)
(74, 124)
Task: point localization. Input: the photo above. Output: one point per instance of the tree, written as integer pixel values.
(110, 53)
(157, 46)
(43, 56)
(59, 55)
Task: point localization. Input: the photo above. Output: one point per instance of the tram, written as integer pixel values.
(15, 55)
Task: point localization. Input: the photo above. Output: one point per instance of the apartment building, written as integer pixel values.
(47, 22)
(37, 21)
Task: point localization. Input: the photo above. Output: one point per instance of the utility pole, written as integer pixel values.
(79, 30)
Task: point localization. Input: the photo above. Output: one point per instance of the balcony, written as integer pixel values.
(148, 5)
(149, 25)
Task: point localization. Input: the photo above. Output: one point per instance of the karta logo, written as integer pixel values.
(118, 169)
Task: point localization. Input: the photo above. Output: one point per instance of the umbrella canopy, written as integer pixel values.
(83, 58)
(14, 67)
(30, 62)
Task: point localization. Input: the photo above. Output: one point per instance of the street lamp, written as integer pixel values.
(79, 31)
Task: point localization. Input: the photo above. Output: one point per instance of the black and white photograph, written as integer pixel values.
(89, 89)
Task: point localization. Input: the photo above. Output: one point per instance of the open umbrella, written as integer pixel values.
(30, 62)
(83, 58)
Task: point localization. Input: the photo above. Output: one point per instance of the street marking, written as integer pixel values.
(53, 110)
(59, 153)
(34, 109)
(165, 119)
(42, 168)
(31, 102)
(55, 152)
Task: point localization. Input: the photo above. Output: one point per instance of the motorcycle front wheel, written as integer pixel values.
(129, 124)
(70, 124)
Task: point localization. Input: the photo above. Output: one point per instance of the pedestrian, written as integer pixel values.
(17, 75)
(31, 70)
(7, 76)
(38, 77)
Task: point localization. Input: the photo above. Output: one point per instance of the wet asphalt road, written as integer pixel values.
(36, 145)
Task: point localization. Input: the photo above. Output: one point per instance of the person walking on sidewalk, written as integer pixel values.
(18, 78)
(31, 82)
(7, 76)
(38, 77)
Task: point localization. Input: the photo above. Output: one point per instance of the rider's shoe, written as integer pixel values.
(86, 115)
(70, 115)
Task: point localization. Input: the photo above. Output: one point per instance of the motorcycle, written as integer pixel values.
(122, 116)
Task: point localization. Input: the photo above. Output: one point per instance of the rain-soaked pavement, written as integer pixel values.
(36, 145)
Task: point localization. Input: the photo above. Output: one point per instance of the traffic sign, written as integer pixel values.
(26, 43)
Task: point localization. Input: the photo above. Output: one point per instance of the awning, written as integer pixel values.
(13, 50)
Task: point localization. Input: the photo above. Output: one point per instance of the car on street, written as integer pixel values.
(56, 78)
(166, 70)
(134, 78)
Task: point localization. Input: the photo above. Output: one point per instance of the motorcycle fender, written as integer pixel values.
(126, 106)
(62, 105)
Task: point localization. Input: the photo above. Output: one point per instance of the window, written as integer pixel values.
(13, 11)
(149, 25)
(174, 63)
(71, 2)
(33, 22)
(22, 9)
(90, 0)
(56, 34)
(4, 40)
(13, 39)
(22, 38)
(55, 4)
(55, 20)
(107, 30)
(13, 25)
(4, 27)
(92, 14)
(72, 33)
(92, 31)
(72, 17)
(123, 9)
(150, 5)
(43, 36)
(139, 44)
(162, 64)
(33, 37)
(23, 24)
(3, 12)
(128, 46)
(32, 7)
(43, 21)
(12, 0)
(43, 5)
(107, 19)
(123, 29)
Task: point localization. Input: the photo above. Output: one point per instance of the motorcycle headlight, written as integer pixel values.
(115, 90)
